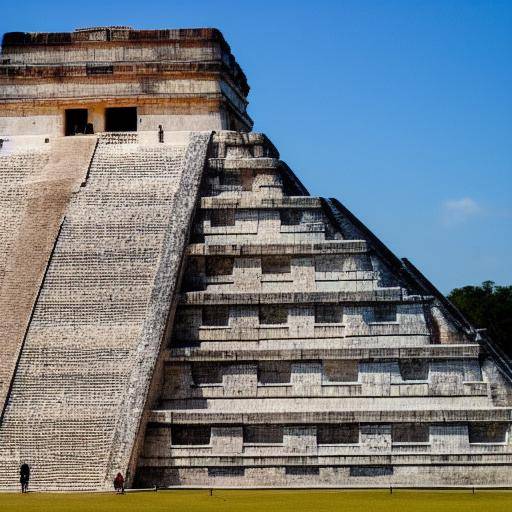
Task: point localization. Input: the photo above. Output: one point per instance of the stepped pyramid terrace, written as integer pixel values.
(177, 307)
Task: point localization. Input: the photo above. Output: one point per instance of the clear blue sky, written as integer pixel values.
(401, 109)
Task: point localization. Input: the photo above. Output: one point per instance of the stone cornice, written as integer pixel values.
(14, 42)
(382, 295)
(345, 416)
(373, 353)
(329, 247)
(259, 203)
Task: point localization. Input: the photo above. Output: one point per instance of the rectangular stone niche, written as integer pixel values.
(275, 264)
(274, 372)
(410, 433)
(302, 471)
(190, 435)
(328, 314)
(384, 313)
(371, 471)
(338, 370)
(338, 434)
(263, 434)
(414, 369)
(219, 266)
(206, 373)
(273, 315)
(226, 471)
(215, 316)
(220, 218)
(491, 433)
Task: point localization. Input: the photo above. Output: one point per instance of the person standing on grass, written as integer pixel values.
(24, 477)
(119, 483)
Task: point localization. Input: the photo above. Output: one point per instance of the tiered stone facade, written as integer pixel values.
(304, 354)
(175, 306)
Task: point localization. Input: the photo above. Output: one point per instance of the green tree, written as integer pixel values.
(487, 306)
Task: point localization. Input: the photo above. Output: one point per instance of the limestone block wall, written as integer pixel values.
(77, 399)
(101, 90)
(14, 122)
(303, 353)
(94, 51)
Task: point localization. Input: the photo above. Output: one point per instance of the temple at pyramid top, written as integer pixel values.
(119, 79)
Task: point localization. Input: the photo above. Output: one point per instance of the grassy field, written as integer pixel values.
(263, 501)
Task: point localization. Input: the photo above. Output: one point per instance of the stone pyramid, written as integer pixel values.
(177, 307)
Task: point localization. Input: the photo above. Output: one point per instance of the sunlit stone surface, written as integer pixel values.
(175, 306)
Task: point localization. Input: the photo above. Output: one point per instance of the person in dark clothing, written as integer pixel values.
(119, 483)
(24, 477)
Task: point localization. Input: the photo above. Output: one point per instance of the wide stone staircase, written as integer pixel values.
(82, 377)
(37, 180)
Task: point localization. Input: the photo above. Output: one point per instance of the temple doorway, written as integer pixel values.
(76, 121)
(121, 119)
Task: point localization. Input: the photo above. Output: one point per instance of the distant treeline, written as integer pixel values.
(487, 306)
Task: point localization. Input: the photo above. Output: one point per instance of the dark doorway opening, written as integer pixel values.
(121, 119)
(76, 121)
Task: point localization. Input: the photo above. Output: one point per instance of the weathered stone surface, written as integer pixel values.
(306, 335)
(83, 376)
(180, 79)
(177, 307)
(36, 186)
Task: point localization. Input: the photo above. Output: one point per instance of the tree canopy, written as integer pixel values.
(487, 306)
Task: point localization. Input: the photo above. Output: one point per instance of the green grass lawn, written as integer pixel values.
(263, 501)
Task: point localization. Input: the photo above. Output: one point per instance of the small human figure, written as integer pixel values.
(160, 133)
(24, 477)
(119, 483)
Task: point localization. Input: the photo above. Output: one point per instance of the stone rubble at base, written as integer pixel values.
(185, 313)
